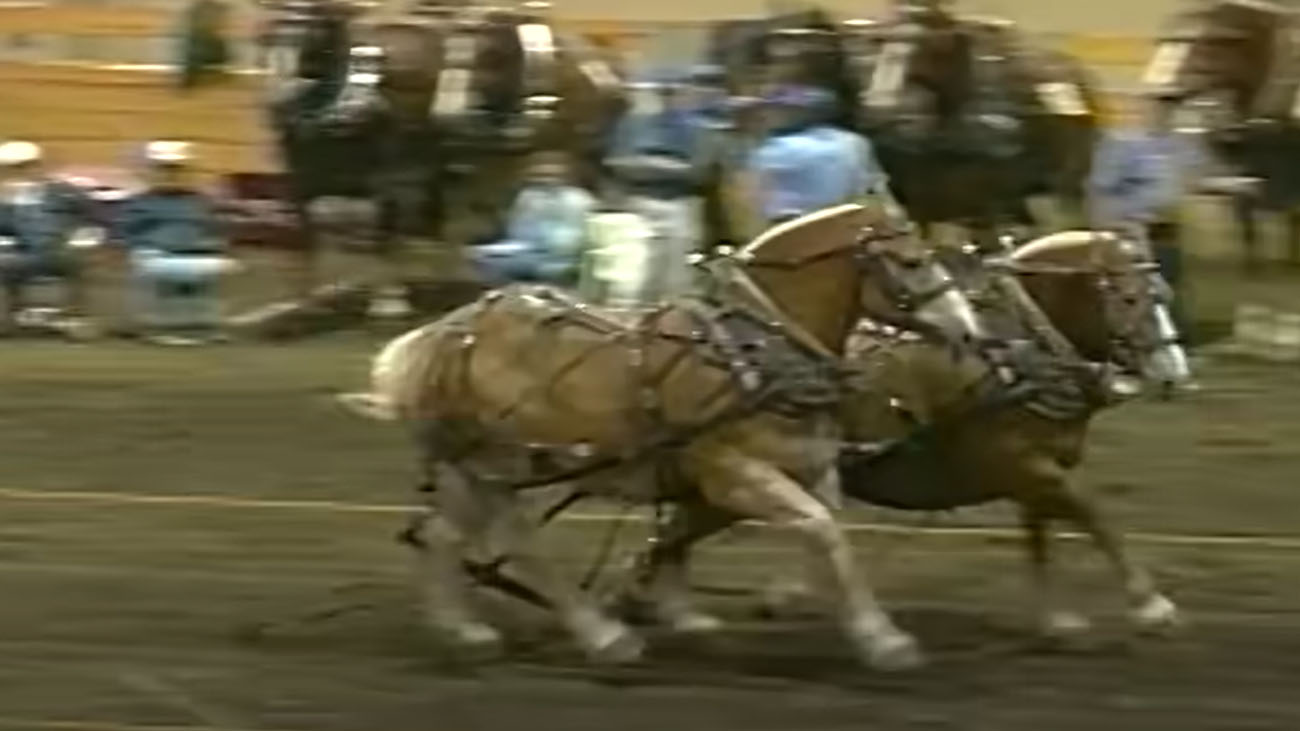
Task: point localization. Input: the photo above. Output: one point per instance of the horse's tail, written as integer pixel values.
(398, 375)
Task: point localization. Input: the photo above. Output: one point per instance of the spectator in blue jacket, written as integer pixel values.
(1139, 179)
(662, 152)
(806, 163)
(176, 251)
(39, 216)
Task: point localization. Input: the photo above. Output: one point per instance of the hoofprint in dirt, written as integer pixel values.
(138, 613)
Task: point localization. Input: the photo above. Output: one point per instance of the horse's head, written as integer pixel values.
(319, 31)
(827, 270)
(1104, 293)
(927, 64)
(803, 55)
(1224, 46)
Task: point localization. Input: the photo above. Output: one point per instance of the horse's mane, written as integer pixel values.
(780, 230)
(1058, 242)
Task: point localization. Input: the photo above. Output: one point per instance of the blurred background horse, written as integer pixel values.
(971, 122)
(1236, 68)
(426, 113)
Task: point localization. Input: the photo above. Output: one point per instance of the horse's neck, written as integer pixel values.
(1070, 307)
(820, 301)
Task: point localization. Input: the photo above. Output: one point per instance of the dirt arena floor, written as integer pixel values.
(159, 506)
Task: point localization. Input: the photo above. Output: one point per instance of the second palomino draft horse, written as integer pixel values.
(929, 429)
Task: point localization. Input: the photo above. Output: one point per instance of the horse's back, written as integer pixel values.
(538, 365)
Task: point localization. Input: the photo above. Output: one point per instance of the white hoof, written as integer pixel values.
(690, 622)
(895, 652)
(390, 307)
(783, 600)
(1062, 625)
(472, 639)
(1156, 615)
(615, 645)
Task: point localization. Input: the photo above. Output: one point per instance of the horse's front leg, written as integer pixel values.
(736, 482)
(1051, 618)
(1293, 237)
(389, 298)
(1150, 610)
(305, 256)
(1244, 210)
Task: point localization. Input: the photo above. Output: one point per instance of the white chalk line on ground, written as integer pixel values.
(1277, 542)
(32, 724)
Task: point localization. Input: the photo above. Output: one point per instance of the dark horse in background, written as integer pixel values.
(429, 115)
(1237, 66)
(340, 135)
(969, 122)
(754, 55)
(972, 123)
(801, 46)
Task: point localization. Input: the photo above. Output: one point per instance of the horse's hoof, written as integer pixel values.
(617, 646)
(896, 652)
(691, 623)
(1157, 616)
(1064, 626)
(390, 308)
(779, 601)
(472, 641)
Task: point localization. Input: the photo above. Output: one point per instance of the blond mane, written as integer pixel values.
(1062, 241)
(779, 230)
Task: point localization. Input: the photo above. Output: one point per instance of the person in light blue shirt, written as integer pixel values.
(661, 157)
(546, 231)
(1139, 179)
(806, 164)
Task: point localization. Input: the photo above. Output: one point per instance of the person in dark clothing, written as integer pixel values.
(39, 217)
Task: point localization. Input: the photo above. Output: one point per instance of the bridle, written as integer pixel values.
(871, 257)
(1125, 329)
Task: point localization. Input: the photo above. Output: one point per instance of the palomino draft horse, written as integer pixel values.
(725, 403)
(1237, 63)
(929, 429)
(971, 123)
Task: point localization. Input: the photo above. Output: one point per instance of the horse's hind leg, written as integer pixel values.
(735, 482)
(602, 638)
(458, 519)
(665, 583)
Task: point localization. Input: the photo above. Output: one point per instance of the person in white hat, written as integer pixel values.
(177, 254)
(39, 215)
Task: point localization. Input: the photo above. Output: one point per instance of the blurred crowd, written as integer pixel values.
(639, 228)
